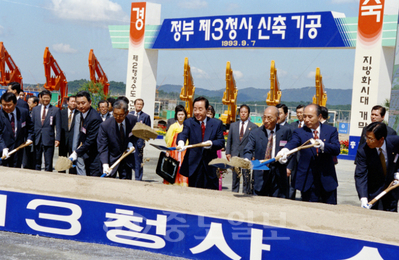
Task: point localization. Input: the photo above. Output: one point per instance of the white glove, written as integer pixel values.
(320, 145)
(283, 156)
(209, 143)
(182, 146)
(130, 147)
(30, 142)
(73, 156)
(396, 178)
(5, 153)
(365, 203)
(106, 168)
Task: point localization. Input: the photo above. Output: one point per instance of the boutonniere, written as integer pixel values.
(249, 128)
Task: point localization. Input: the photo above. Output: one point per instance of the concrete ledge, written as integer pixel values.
(341, 220)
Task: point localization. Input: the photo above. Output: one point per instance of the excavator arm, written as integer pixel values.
(274, 95)
(321, 95)
(229, 97)
(12, 74)
(188, 89)
(96, 69)
(57, 82)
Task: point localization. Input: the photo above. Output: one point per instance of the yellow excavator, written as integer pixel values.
(188, 89)
(274, 95)
(321, 96)
(229, 97)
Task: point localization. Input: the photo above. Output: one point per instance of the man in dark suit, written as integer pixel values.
(67, 129)
(316, 177)
(376, 168)
(236, 141)
(47, 131)
(15, 128)
(145, 119)
(103, 110)
(264, 143)
(377, 115)
(114, 138)
(90, 123)
(197, 129)
(15, 88)
(29, 161)
(299, 114)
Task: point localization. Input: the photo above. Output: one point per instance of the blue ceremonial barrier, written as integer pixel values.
(173, 233)
(343, 128)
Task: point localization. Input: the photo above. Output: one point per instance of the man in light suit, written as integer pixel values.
(264, 143)
(377, 166)
(15, 87)
(15, 128)
(67, 129)
(145, 119)
(236, 141)
(315, 177)
(47, 131)
(114, 138)
(90, 123)
(103, 110)
(198, 129)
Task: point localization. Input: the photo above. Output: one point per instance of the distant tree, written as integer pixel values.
(96, 92)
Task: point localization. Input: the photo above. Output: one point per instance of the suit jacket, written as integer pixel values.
(66, 135)
(295, 124)
(194, 156)
(109, 142)
(234, 146)
(145, 119)
(24, 129)
(88, 134)
(50, 131)
(369, 176)
(108, 115)
(390, 131)
(22, 104)
(256, 147)
(313, 167)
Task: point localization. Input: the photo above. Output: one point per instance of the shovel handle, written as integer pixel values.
(16, 149)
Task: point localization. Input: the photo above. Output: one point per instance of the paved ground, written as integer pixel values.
(20, 246)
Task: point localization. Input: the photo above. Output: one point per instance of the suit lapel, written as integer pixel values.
(208, 129)
(6, 120)
(196, 126)
(390, 159)
(246, 134)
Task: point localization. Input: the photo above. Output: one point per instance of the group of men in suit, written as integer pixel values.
(78, 130)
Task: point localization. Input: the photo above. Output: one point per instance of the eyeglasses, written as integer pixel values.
(119, 115)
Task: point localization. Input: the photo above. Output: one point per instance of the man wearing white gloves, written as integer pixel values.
(315, 177)
(15, 128)
(198, 129)
(114, 138)
(377, 166)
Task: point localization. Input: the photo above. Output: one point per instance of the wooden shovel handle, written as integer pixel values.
(194, 146)
(379, 196)
(126, 153)
(298, 149)
(16, 149)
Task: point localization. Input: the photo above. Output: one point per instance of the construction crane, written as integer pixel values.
(57, 82)
(188, 89)
(13, 74)
(229, 97)
(321, 96)
(274, 95)
(95, 68)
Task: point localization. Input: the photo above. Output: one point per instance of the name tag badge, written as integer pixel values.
(396, 158)
(283, 143)
(51, 120)
(23, 124)
(83, 130)
(130, 134)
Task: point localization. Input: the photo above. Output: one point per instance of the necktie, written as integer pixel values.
(122, 133)
(138, 116)
(44, 115)
(382, 159)
(299, 124)
(269, 148)
(203, 130)
(242, 131)
(69, 121)
(316, 137)
(12, 123)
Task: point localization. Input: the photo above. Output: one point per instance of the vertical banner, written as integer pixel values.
(394, 100)
(142, 63)
(366, 89)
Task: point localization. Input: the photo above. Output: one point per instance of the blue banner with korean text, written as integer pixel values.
(299, 30)
(172, 233)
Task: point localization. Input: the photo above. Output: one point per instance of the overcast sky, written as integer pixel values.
(70, 28)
